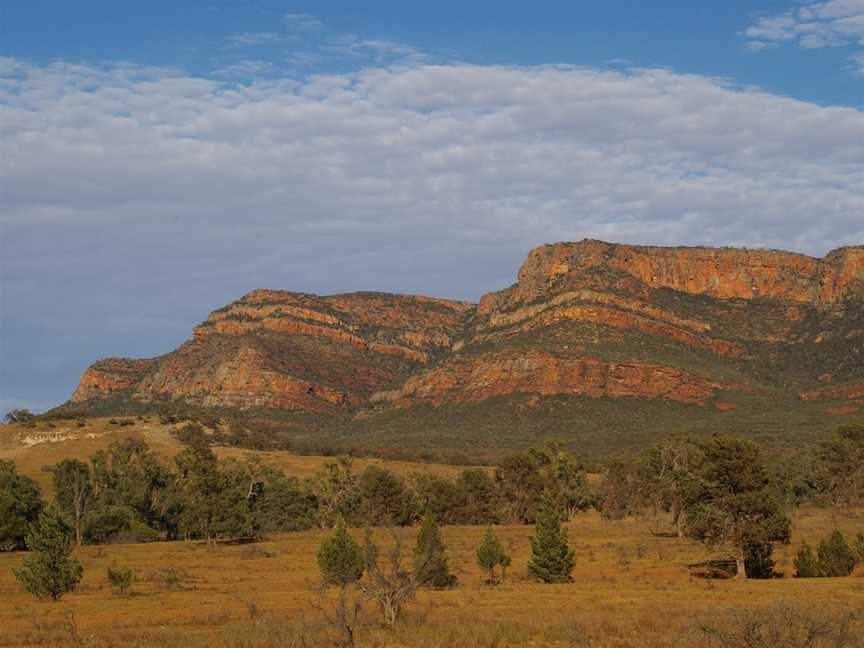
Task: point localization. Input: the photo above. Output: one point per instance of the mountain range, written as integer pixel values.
(600, 345)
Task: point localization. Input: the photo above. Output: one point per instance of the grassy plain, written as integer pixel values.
(631, 588)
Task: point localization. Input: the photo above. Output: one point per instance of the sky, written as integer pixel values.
(159, 160)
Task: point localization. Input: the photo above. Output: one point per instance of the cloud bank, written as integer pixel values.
(136, 199)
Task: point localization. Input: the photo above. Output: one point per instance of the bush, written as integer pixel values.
(168, 578)
(430, 558)
(806, 564)
(120, 579)
(108, 523)
(19, 416)
(385, 500)
(50, 570)
(340, 558)
(552, 559)
(835, 556)
(782, 624)
(758, 560)
(490, 554)
(20, 505)
(190, 434)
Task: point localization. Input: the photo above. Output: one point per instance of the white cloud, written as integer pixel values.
(137, 199)
(542, 152)
(836, 23)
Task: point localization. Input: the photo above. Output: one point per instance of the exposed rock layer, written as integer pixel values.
(590, 319)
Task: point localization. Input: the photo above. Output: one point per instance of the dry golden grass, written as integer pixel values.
(630, 589)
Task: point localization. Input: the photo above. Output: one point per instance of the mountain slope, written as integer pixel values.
(594, 338)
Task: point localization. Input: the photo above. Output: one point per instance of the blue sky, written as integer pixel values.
(159, 159)
(206, 36)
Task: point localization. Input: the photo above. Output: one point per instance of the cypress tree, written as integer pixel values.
(552, 558)
(490, 554)
(835, 556)
(430, 557)
(340, 558)
(806, 565)
(49, 571)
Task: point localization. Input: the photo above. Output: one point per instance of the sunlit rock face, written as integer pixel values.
(588, 319)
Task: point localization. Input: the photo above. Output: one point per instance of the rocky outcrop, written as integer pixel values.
(588, 319)
(472, 380)
(838, 393)
(292, 351)
(111, 378)
(721, 273)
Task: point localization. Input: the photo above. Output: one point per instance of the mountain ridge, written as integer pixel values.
(698, 326)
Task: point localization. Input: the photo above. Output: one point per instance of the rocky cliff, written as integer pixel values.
(712, 329)
(280, 350)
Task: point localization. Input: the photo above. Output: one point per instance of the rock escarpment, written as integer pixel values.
(281, 350)
(588, 320)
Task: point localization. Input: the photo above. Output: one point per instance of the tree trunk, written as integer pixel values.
(741, 567)
(78, 516)
(679, 523)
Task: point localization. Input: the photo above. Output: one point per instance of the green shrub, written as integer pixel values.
(340, 558)
(430, 557)
(806, 564)
(20, 505)
(490, 554)
(836, 558)
(120, 579)
(49, 571)
(552, 559)
(106, 524)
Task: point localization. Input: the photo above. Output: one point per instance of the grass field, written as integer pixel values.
(630, 588)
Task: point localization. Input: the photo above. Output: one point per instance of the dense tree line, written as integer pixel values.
(125, 493)
(720, 490)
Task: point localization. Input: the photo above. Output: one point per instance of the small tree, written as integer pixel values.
(73, 490)
(490, 554)
(806, 565)
(430, 557)
(388, 584)
(840, 473)
(120, 579)
(20, 505)
(50, 570)
(341, 562)
(552, 558)
(19, 416)
(836, 558)
(335, 492)
(340, 558)
(384, 498)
